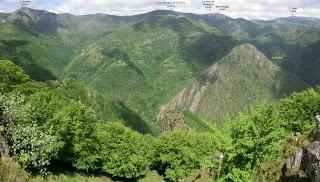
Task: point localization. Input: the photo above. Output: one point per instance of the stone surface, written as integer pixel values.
(311, 162)
(293, 164)
(317, 137)
(304, 165)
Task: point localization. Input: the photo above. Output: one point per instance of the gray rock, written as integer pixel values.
(311, 162)
(304, 165)
(317, 137)
(293, 164)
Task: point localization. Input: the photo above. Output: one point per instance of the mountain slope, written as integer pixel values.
(243, 77)
(145, 60)
(147, 63)
(42, 42)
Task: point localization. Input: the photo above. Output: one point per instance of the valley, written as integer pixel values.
(107, 90)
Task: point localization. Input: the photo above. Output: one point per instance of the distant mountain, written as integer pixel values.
(293, 20)
(37, 20)
(145, 60)
(240, 79)
(147, 63)
(3, 15)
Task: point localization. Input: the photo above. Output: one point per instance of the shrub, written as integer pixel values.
(11, 75)
(181, 154)
(32, 146)
(123, 152)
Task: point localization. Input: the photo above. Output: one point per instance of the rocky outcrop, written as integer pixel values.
(304, 164)
(173, 120)
(189, 98)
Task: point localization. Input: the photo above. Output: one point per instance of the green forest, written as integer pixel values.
(58, 125)
(158, 97)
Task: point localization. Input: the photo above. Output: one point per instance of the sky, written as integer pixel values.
(248, 9)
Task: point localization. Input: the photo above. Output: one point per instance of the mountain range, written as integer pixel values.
(212, 66)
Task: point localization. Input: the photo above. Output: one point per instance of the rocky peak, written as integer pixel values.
(38, 20)
(243, 65)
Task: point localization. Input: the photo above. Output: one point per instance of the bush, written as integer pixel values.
(123, 152)
(297, 112)
(181, 154)
(11, 76)
(33, 147)
(14, 109)
(256, 137)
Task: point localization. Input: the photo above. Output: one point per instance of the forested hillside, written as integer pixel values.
(146, 60)
(47, 126)
(242, 78)
(161, 96)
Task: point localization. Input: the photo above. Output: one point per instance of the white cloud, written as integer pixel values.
(250, 9)
(17, 1)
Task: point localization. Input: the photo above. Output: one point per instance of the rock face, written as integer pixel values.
(311, 162)
(174, 121)
(304, 165)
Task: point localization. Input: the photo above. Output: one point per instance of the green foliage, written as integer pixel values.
(256, 137)
(11, 75)
(297, 112)
(30, 145)
(197, 123)
(14, 109)
(123, 152)
(33, 147)
(152, 176)
(10, 171)
(181, 154)
(72, 125)
(70, 177)
(116, 150)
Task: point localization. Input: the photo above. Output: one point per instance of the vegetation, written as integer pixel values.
(10, 171)
(180, 154)
(79, 99)
(46, 129)
(165, 50)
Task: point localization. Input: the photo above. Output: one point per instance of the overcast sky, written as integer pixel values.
(249, 9)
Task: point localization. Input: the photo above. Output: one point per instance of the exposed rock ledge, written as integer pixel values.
(304, 165)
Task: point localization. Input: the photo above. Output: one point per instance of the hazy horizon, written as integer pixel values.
(248, 9)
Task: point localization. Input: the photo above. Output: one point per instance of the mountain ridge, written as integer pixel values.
(147, 59)
(249, 72)
(175, 12)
